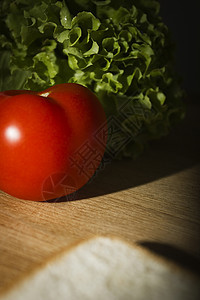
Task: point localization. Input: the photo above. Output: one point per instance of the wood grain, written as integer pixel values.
(153, 199)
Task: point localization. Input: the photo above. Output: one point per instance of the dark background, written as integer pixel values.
(183, 21)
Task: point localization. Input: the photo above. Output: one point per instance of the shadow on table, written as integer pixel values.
(174, 254)
(176, 152)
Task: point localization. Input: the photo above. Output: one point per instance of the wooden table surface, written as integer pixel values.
(153, 201)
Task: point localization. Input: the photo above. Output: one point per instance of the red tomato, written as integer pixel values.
(51, 143)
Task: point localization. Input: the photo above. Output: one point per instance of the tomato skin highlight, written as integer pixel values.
(40, 136)
(40, 148)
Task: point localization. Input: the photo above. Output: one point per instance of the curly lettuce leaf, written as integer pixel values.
(121, 50)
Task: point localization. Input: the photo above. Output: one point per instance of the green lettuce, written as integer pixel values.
(121, 50)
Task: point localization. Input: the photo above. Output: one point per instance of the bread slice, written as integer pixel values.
(105, 268)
